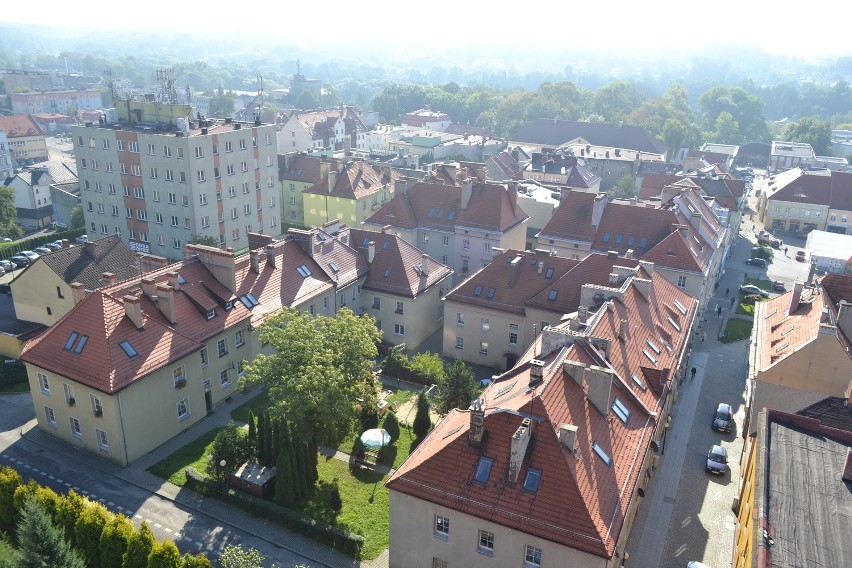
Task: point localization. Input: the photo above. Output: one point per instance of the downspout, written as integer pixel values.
(123, 434)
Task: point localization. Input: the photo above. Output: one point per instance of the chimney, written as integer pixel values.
(600, 385)
(424, 264)
(847, 468)
(149, 262)
(598, 208)
(629, 254)
(568, 436)
(172, 280)
(166, 302)
(332, 179)
(78, 292)
(477, 423)
(795, 298)
(644, 287)
(254, 259)
(149, 286)
(133, 309)
(66, 243)
(514, 264)
(623, 329)
(467, 192)
(612, 254)
(540, 266)
(811, 272)
(613, 279)
(387, 229)
(583, 313)
(371, 252)
(536, 371)
(520, 443)
(270, 256)
(576, 371)
(108, 278)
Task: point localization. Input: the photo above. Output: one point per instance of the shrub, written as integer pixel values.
(751, 299)
(391, 426)
(10, 480)
(422, 422)
(141, 544)
(90, 524)
(115, 539)
(164, 555)
(196, 481)
(334, 500)
(195, 561)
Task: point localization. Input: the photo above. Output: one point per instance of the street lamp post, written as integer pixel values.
(219, 472)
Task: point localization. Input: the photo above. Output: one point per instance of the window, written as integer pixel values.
(135, 170)
(601, 453)
(153, 173)
(483, 348)
(202, 199)
(620, 410)
(51, 417)
(183, 177)
(465, 265)
(486, 543)
(201, 176)
(513, 339)
(204, 360)
(183, 409)
(241, 368)
(69, 394)
(459, 342)
(247, 209)
(243, 144)
(222, 347)
(459, 319)
(487, 248)
(43, 383)
(141, 214)
(230, 169)
(398, 329)
(486, 325)
(174, 221)
(438, 563)
(224, 378)
(681, 281)
(442, 527)
(75, 427)
(128, 349)
(179, 376)
(483, 470)
(239, 341)
(399, 308)
(167, 152)
(532, 557)
(103, 442)
(119, 144)
(187, 224)
(158, 217)
(377, 303)
(115, 210)
(97, 406)
(532, 480)
(199, 153)
(466, 244)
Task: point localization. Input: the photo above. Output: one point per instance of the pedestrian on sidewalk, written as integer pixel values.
(733, 300)
(727, 291)
(703, 336)
(718, 311)
(785, 251)
(693, 373)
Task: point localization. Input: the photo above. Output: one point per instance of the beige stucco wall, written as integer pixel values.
(497, 334)
(566, 249)
(10, 346)
(35, 290)
(413, 544)
(421, 317)
(821, 367)
(788, 211)
(694, 282)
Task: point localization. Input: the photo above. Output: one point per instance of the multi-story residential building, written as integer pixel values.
(24, 138)
(459, 225)
(348, 191)
(7, 159)
(423, 119)
(562, 170)
(547, 468)
(42, 292)
(299, 171)
(159, 189)
(803, 200)
(377, 139)
(612, 164)
(786, 155)
(21, 81)
(64, 102)
(508, 164)
(336, 129)
(33, 192)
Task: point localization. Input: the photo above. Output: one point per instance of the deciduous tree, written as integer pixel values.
(458, 388)
(234, 556)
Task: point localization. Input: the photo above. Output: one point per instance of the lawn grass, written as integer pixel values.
(737, 329)
(257, 405)
(761, 283)
(745, 309)
(193, 454)
(16, 387)
(366, 509)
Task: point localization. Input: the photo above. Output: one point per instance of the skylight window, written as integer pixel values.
(440, 213)
(618, 239)
(387, 272)
(649, 356)
(181, 280)
(128, 349)
(630, 240)
(490, 294)
(549, 273)
(387, 245)
(81, 344)
(606, 237)
(483, 470)
(477, 291)
(431, 212)
(451, 215)
(504, 390)
(71, 340)
(552, 296)
(640, 383)
(680, 307)
(334, 267)
(643, 242)
(250, 297)
(366, 241)
(620, 410)
(653, 346)
(532, 480)
(304, 271)
(674, 324)
(601, 453)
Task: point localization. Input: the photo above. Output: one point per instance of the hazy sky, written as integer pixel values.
(812, 28)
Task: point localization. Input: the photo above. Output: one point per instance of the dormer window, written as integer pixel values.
(211, 314)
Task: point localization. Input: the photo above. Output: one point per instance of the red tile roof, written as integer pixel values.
(573, 218)
(581, 501)
(19, 126)
(784, 333)
(636, 227)
(355, 180)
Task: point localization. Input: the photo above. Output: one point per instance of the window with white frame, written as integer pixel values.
(532, 557)
(466, 244)
(43, 383)
(239, 341)
(222, 346)
(442, 527)
(69, 393)
(103, 441)
(179, 375)
(486, 325)
(459, 342)
(681, 281)
(398, 329)
(224, 378)
(483, 348)
(75, 427)
(199, 153)
(50, 416)
(513, 339)
(400, 308)
(183, 409)
(486, 543)
(97, 406)
(459, 319)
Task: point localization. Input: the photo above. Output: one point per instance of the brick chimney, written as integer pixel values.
(166, 302)
(520, 442)
(568, 436)
(149, 286)
(477, 423)
(795, 298)
(172, 277)
(133, 309)
(576, 371)
(108, 278)
(536, 371)
(270, 256)
(254, 261)
(514, 267)
(598, 208)
(466, 193)
(78, 292)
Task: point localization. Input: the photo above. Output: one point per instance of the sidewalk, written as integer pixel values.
(136, 474)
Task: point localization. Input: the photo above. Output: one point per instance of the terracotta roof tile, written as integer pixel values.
(355, 181)
(624, 227)
(573, 218)
(20, 126)
(87, 263)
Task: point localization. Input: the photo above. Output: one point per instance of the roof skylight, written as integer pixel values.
(532, 480)
(649, 356)
(128, 349)
(653, 346)
(304, 271)
(334, 267)
(81, 343)
(477, 291)
(601, 453)
(620, 410)
(674, 324)
(71, 340)
(483, 470)
(680, 307)
(640, 383)
(490, 294)
(552, 296)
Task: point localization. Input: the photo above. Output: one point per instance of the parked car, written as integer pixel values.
(801, 255)
(778, 286)
(717, 460)
(32, 256)
(43, 250)
(695, 564)
(723, 418)
(7, 265)
(82, 239)
(752, 289)
(52, 246)
(2, 271)
(7, 240)
(20, 261)
(757, 262)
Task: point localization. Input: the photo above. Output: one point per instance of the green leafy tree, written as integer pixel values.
(40, 543)
(114, 540)
(624, 189)
(428, 365)
(205, 240)
(10, 480)
(231, 445)
(307, 101)
(422, 422)
(727, 129)
(745, 110)
(164, 555)
(263, 449)
(8, 212)
(458, 388)
(252, 435)
(77, 219)
(87, 531)
(322, 369)
(195, 561)
(71, 506)
(810, 130)
(335, 503)
(141, 544)
(234, 556)
(391, 426)
(11, 230)
(673, 136)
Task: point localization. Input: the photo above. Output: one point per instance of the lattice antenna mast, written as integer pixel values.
(168, 92)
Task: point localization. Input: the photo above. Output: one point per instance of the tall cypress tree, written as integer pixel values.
(300, 475)
(276, 438)
(252, 436)
(283, 485)
(262, 436)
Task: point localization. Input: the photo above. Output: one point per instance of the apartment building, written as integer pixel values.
(348, 191)
(64, 102)
(337, 129)
(803, 200)
(7, 160)
(24, 138)
(159, 179)
(548, 467)
(786, 155)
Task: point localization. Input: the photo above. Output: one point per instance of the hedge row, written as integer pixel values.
(335, 537)
(8, 250)
(393, 369)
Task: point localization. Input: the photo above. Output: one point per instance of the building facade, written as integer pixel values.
(64, 102)
(24, 138)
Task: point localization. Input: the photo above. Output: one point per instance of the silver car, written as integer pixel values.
(723, 418)
(717, 460)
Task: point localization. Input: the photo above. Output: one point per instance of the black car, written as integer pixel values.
(20, 261)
